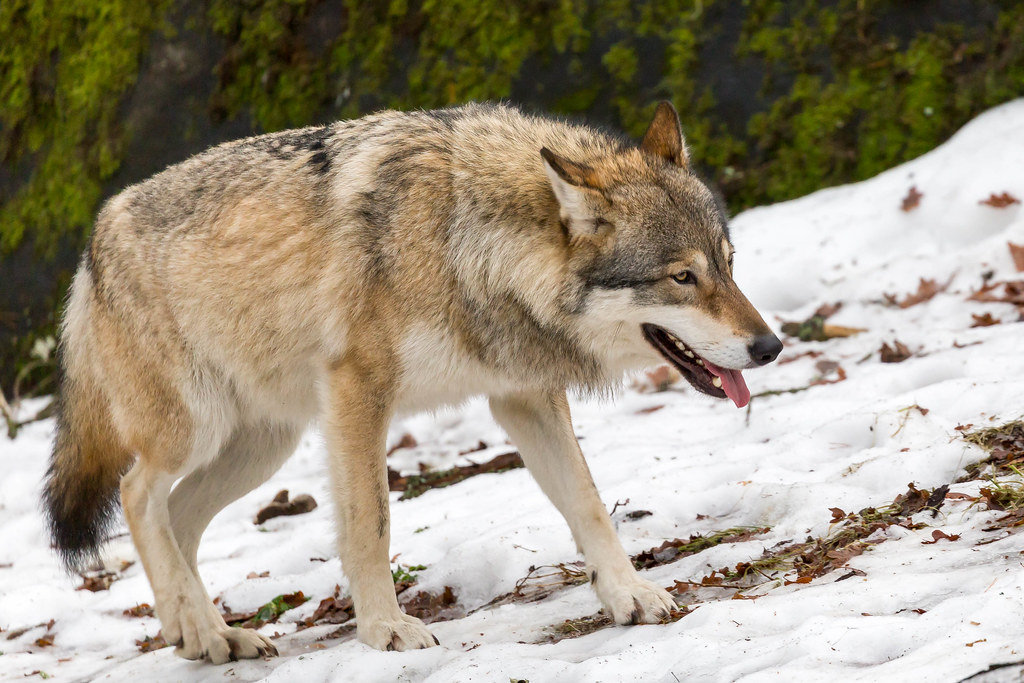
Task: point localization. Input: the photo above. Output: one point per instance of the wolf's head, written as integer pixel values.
(651, 248)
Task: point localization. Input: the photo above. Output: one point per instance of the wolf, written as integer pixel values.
(365, 269)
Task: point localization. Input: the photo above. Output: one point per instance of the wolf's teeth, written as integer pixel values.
(700, 362)
(717, 382)
(689, 354)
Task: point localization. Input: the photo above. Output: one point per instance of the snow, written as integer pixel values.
(697, 464)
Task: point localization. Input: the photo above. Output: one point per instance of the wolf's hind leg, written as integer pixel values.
(355, 425)
(249, 458)
(540, 426)
(187, 617)
(246, 460)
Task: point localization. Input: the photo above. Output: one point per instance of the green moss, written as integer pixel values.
(63, 70)
(860, 102)
(267, 70)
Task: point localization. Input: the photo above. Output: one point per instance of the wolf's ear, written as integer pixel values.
(576, 191)
(664, 137)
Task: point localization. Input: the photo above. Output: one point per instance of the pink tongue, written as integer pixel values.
(733, 384)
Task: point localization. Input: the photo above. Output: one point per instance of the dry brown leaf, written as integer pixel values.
(926, 289)
(939, 535)
(984, 320)
(143, 609)
(407, 441)
(912, 200)
(1000, 201)
(298, 505)
(828, 310)
(433, 607)
(896, 354)
(802, 579)
(96, 581)
(1017, 254)
(332, 610)
(821, 381)
(1013, 292)
(151, 643)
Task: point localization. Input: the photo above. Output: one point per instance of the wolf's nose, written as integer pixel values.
(765, 349)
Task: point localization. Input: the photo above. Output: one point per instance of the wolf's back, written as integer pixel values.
(81, 490)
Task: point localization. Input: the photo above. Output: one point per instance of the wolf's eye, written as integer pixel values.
(685, 278)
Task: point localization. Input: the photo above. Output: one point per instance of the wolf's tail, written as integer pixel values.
(81, 494)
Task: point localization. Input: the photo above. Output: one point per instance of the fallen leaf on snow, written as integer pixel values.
(984, 320)
(912, 200)
(802, 579)
(1013, 292)
(431, 607)
(151, 643)
(141, 610)
(280, 506)
(828, 310)
(1017, 253)
(823, 378)
(895, 354)
(1000, 201)
(940, 535)
(926, 289)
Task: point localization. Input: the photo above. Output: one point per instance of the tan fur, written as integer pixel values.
(355, 272)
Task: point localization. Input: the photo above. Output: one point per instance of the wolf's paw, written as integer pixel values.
(635, 601)
(200, 633)
(226, 645)
(248, 644)
(405, 633)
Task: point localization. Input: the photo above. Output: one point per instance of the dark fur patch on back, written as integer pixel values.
(287, 145)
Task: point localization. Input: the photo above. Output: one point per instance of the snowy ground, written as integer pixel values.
(697, 464)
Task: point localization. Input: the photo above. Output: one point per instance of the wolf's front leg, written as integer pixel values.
(541, 427)
(355, 425)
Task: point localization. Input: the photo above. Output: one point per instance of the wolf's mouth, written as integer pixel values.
(704, 375)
